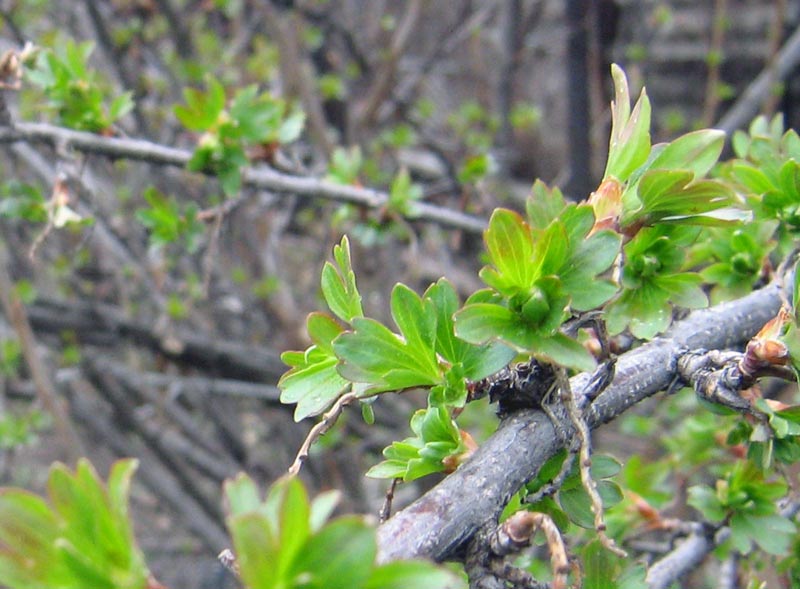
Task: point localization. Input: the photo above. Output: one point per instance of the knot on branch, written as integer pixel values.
(524, 385)
(717, 376)
(486, 559)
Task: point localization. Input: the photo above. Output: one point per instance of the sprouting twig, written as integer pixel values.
(386, 508)
(320, 429)
(585, 462)
(228, 559)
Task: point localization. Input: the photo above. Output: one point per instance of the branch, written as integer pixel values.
(104, 324)
(260, 178)
(690, 553)
(439, 523)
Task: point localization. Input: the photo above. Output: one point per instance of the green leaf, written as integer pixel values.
(388, 469)
(544, 205)
(409, 574)
(564, 351)
(772, 533)
(629, 145)
(314, 384)
(479, 323)
(600, 566)
(477, 361)
(340, 556)
(256, 549)
(322, 507)
(339, 284)
(322, 330)
(685, 290)
(294, 523)
(415, 318)
(403, 194)
(697, 152)
(292, 127)
(510, 247)
(241, 495)
(591, 256)
(705, 500)
(374, 355)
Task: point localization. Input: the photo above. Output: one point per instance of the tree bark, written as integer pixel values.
(438, 524)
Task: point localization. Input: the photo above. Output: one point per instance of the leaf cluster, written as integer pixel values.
(82, 538)
(74, 91)
(251, 120)
(287, 541)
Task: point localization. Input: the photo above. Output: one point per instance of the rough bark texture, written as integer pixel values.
(438, 523)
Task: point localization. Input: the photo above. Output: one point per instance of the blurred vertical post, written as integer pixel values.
(578, 120)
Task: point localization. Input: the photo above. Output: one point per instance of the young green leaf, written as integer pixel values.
(339, 284)
(629, 145)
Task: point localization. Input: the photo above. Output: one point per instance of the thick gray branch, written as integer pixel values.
(261, 177)
(438, 523)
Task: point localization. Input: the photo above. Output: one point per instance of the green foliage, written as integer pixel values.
(572, 502)
(169, 222)
(403, 194)
(537, 275)
(10, 356)
(345, 165)
(653, 280)
(82, 538)
(747, 501)
(74, 91)
(370, 358)
(603, 570)
(22, 201)
(629, 145)
(251, 120)
(313, 381)
(21, 430)
(767, 170)
(436, 438)
(739, 256)
(286, 541)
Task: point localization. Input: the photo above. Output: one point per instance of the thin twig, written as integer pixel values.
(714, 57)
(585, 462)
(386, 509)
(70, 444)
(261, 177)
(382, 85)
(776, 71)
(320, 429)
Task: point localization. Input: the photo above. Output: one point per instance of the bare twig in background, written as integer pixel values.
(296, 71)
(719, 24)
(776, 36)
(261, 177)
(383, 82)
(70, 447)
(747, 105)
